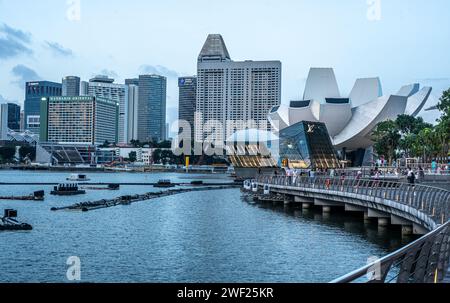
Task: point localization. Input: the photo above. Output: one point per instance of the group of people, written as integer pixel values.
(439, 168)
(379, 172)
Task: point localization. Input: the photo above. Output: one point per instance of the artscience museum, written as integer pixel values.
(350, 120)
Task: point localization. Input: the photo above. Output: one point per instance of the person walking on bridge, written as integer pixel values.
(411, 176)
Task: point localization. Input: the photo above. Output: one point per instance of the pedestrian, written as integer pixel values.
(433, 166)
(421, 174)
(312, 175)
(411, 176)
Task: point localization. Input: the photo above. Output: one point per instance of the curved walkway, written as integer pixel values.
(424, 208)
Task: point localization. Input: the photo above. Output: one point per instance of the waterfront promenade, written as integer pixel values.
(417, 209)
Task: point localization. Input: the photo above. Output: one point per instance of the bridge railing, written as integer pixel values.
(434, 202)
(425, 260)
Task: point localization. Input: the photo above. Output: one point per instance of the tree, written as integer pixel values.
(27, 152)
(444, 103)
(443, 127)
(409, 127)
(136, 143)
(132, 156)
(7, 154)
(387, 138)
(105, 144)
(427, 143)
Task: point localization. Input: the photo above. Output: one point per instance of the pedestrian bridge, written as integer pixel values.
(419, 209)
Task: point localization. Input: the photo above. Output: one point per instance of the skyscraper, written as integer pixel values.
(187, 94)
(83, 119)
(133, 110)
(22, 120)
(231, 91)
(84, 88)
(71, 86)
(152, 108)
(14, 116)
(3, 121)
(104, 87)
(133, 81)
(34, 91)
(133, 100)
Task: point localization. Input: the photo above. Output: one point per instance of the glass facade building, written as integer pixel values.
(34, 91)
(152, 108)
(104, 87)
(307, 145)
(71, 86)
(187, 88)
(14, 117)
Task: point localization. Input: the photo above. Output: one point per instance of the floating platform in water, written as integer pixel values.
(36, 196)
(164, 184)
(78, 177)
(67, 190)
(108, 187)
(8, 222)
(128, 199)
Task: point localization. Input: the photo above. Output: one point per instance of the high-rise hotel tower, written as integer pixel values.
(232, 91)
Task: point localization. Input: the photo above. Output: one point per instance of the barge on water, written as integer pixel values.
(67, 190)
(36, 196)
(78, 177)
(164, 184)
(112, 186)
(8, 222)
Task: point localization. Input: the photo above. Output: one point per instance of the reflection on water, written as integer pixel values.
(388, 237)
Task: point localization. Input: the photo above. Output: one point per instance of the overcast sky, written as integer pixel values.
(402, 41)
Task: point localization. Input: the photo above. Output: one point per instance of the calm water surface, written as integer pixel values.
(212, 236)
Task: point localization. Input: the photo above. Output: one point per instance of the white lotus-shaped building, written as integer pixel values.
(349, 120)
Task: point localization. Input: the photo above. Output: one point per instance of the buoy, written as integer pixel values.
(266, 189)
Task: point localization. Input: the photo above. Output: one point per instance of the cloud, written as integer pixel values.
(58, 50)
(16, 33)
(3, 100)
(13, 42)
(24, 74)
(158, 70)
(108, 72)
(435, 79)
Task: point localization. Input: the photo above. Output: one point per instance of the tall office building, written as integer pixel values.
(83, 119)
(71, 86)
(104, 87)
(84, 88)
(3, 122)
(133, 109)
(152, 108)
(133, 81)
(187, 95)
(14, 117)
(34, 91)
(233, 91)
(22, 120)
(133, 100)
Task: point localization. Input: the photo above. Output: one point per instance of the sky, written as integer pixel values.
(401, 41)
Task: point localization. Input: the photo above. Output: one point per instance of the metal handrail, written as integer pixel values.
(409, 258)
(433, 201)
(422, 261)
